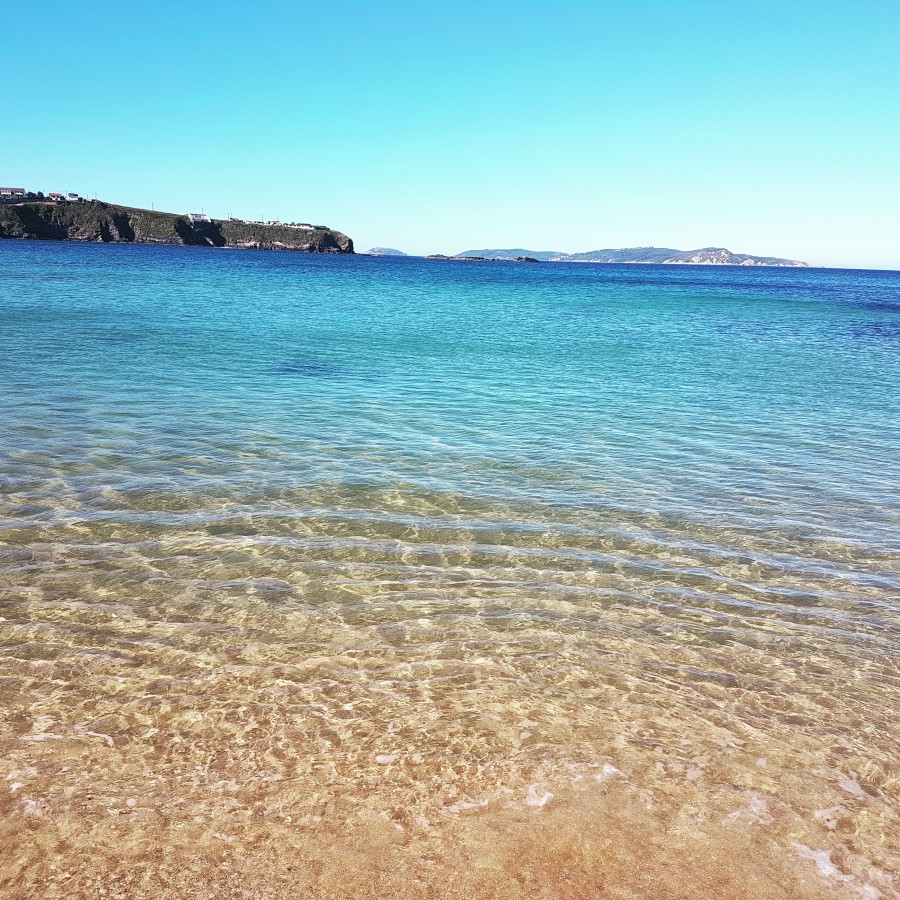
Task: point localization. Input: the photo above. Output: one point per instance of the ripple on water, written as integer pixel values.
(591, 577)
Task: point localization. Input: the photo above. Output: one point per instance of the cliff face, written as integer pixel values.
(96, 221)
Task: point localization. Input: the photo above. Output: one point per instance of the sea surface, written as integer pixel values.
(350, 576)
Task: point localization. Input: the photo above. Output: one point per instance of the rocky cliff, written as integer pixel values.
(93, 220)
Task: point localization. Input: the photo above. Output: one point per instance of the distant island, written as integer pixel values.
(69, 217)
(541, 255)
(78, 219)
(529, 259)
(707, 256)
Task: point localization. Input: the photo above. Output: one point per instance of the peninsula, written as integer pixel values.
(707, 256)
(94, 220)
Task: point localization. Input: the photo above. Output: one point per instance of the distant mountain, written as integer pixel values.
(542, 255)
(707, 256)
(385, 251)
(627, 255)
(719, 256)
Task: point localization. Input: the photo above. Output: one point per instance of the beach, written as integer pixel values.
(378, 577)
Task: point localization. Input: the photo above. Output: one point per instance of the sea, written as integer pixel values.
(351, 576)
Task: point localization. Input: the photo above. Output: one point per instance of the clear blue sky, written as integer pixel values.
(766, 127)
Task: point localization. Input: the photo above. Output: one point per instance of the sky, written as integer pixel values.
(770, 128)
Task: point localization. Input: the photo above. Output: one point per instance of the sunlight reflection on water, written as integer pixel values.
(296, 546)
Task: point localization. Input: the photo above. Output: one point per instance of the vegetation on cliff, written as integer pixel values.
(93, 220)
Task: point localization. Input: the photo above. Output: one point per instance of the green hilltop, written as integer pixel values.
(94, 220)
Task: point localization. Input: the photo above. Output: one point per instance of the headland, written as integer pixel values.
(94, 220)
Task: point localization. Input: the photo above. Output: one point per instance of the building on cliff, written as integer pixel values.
(11, 193)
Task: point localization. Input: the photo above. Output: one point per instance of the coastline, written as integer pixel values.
(93, 221)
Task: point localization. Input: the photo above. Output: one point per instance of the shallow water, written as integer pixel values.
(399, 577)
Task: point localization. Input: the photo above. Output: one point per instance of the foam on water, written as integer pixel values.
(387, 577)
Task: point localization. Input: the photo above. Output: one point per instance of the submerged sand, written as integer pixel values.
(337, 727)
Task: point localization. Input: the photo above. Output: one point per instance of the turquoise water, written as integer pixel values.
(536, 519)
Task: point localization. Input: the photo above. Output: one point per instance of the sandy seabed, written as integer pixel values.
(591, 841)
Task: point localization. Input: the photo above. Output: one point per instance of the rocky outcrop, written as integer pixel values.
(93, 220)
